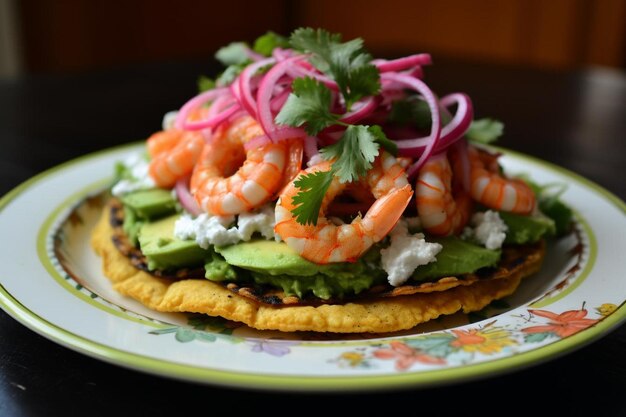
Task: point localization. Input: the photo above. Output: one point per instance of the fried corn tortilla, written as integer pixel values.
(380, 312)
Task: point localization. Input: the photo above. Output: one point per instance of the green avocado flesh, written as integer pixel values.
(527, 229)
(150, 204)
(457, 257)
(164, 251)
(276, 264)
(149, 221)
(269, 257)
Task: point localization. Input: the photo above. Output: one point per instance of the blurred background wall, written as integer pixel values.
(78, 35)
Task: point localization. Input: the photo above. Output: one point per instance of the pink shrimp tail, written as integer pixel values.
(386, 211)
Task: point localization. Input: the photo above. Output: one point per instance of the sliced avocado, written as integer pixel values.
(132, 225)
(269, 257)
(527, 229)
(457, 257)
(150, 204)
(217, 269)
(165, 251)
(321, 285)
(274, 263)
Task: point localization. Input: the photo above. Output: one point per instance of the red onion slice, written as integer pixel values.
(181, 122)
(403, 63)
(279, 100)
(244, 82)
(435, 130)
(185, 198)
(361, 110)
(255, 56)
(280, 54)
(264, 97)
(257, 142)
(450, 133)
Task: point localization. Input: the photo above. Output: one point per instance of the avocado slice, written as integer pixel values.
(150, 204)
(165, 251)
(276, 264)
(269, 257)
(527, 229)
(457, 257)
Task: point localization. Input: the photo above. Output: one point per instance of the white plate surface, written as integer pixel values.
(578, 297)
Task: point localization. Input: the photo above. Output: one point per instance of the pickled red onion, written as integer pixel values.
(403, 63)
(264, 96)
(450, 133)
(247, 100)
(185, 198)
(181, 122)
(435, 130)
(360, 110)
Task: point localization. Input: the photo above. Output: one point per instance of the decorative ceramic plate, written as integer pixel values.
(51, 281)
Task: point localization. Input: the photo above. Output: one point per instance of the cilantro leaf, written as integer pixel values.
(347, 63)
(308, 103)
(265, 44)
(230, 73)
(307, 202)
(233, 54)
(382, 139)
(353, 153)
(205, 83)
(363, 81)
(353, 156)
(485, 131)
(317, 42)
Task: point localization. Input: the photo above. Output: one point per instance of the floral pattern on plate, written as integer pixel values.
(464, 346)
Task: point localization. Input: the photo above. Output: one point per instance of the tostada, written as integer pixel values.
(310, 187)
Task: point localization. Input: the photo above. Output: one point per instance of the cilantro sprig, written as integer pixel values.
(347, 63)
(236, 57)
(484, 131)
(352, 157)
(309, 106)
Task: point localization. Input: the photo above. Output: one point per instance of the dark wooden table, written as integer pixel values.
(576, 120)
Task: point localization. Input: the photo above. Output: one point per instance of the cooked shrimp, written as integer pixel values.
(326, 242)
(228, 180)
(386, 172)
(294, 162)
(441, 211)
(174, 154)
(490, 188)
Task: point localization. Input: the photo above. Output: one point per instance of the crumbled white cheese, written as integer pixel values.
(406, 253)
(488, 229)
(209, 230)
(169, 119)
(140, 180)
(263, 222)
